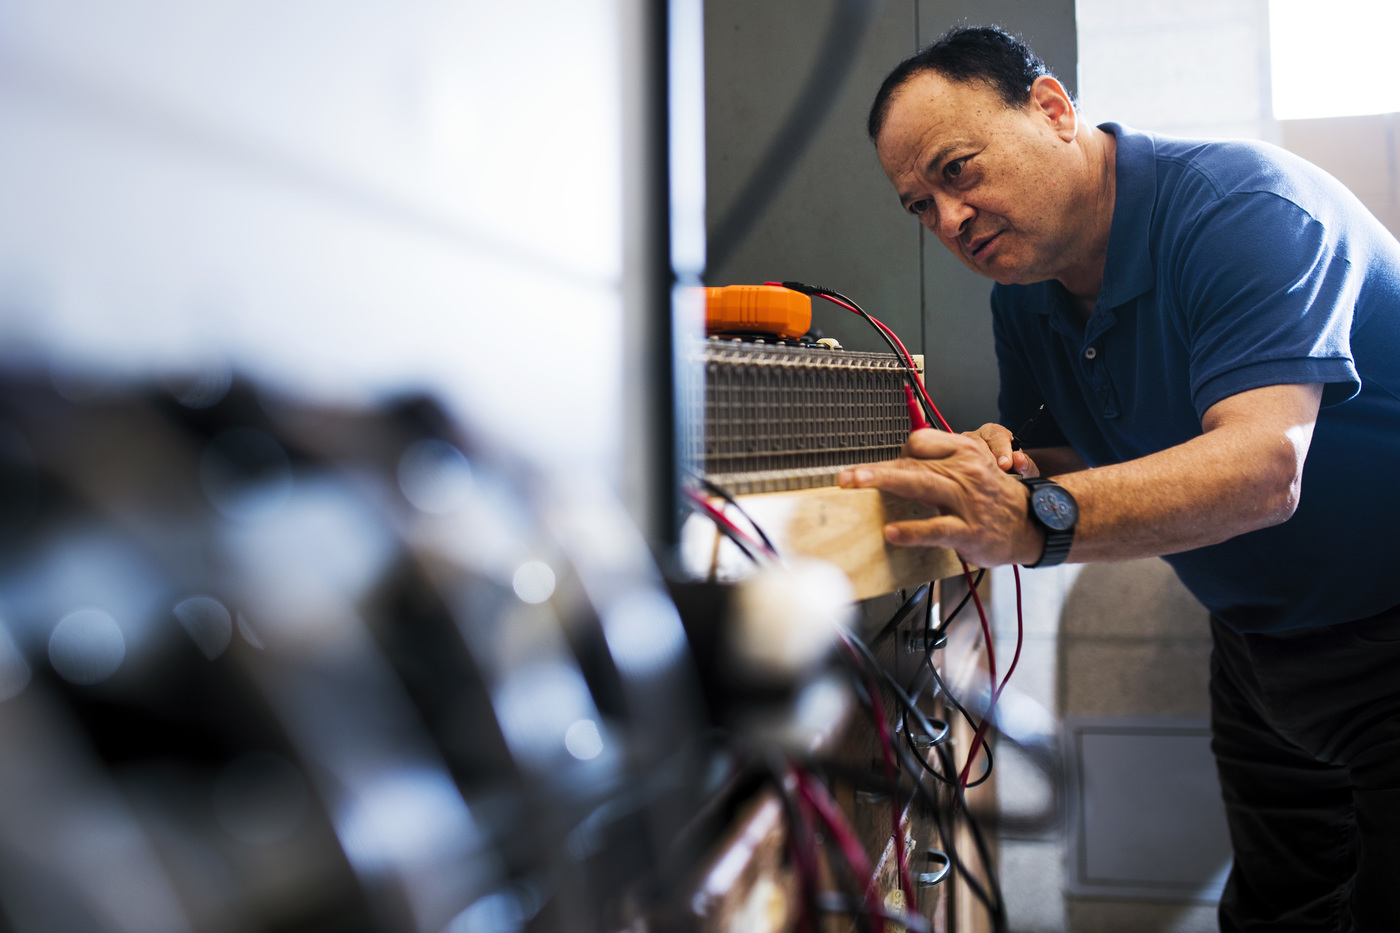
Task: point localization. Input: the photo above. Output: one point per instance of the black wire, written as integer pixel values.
(998, 912)
(797, 824)
(873, 666)
(990, 896)
(934, 637)
(731, 534)
(725, 494)
(910, 373)
(823, 292)
(946, 831)
(914, 749)
(846, 874)
(943, 627)
(902, 612)
(930, 638)
(908, 703)
(972, 724)
(947, 834)
(993, 889)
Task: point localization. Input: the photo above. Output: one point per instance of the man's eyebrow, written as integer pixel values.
(938, 158)
(930, 168)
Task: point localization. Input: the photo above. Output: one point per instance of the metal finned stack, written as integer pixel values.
(780, 417)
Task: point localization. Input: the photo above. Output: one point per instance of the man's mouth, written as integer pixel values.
(977, 247)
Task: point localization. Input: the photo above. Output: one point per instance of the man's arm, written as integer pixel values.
(1243, 473)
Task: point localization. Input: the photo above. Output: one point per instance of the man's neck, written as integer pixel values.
(1084, 278)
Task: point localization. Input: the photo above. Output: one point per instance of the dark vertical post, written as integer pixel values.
(663, 100)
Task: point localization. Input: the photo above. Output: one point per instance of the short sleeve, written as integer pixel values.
(1267, 298)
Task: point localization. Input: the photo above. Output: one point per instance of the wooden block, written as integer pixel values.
(846, 527)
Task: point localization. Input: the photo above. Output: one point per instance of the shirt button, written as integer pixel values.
(1090, 353)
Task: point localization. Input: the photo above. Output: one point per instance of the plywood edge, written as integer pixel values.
(846, 527)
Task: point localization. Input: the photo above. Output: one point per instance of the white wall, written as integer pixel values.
(1179, 67)
(340, 198)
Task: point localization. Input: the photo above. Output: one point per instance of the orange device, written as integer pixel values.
(763, 309)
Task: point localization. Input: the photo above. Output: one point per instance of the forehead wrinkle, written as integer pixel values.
(946, 114)
(925, 168)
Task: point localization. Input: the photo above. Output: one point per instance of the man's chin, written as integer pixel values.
(997, 272)
(1000, 271)
(1006, 274)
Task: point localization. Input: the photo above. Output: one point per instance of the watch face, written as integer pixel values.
(1055, 507)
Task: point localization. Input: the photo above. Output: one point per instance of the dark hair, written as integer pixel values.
(986, 54)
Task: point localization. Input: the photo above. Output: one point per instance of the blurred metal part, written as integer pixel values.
(429, 686)
(74, 855)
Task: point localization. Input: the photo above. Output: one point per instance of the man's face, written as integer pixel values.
(994, 184)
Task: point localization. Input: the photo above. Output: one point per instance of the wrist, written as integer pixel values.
(1030, 539)
(1055, 513)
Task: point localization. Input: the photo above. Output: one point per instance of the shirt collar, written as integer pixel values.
(1129, 270)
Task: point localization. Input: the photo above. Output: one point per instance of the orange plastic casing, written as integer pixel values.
(764, 309)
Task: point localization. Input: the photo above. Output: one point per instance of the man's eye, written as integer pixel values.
(954, 168)
(918, 207)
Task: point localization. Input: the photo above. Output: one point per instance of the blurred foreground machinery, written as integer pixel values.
(271, 666)
(265, 666)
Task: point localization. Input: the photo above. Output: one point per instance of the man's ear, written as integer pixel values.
(1051, 101)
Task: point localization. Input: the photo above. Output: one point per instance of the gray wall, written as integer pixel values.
(836, 221)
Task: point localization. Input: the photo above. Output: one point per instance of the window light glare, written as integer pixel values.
(1333, 60)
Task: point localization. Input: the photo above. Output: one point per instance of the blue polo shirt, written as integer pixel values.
(1231, 266)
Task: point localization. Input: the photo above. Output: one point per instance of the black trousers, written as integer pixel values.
(1306, 733)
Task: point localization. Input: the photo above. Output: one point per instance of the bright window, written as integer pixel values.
(1333, 59)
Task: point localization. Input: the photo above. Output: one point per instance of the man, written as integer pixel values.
(1203, 341)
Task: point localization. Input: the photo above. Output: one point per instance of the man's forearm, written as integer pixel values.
(1197, 494)
(1243, 473)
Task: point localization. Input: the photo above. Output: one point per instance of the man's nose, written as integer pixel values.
(952, 215)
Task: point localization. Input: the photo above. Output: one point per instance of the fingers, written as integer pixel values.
(1023, 465)
(900, 478)
(930, 444)
(998, 441)
(938, 531)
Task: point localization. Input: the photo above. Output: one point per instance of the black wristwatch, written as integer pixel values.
(1054, 510)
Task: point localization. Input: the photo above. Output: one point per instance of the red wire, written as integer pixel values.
(991, 672)
(820, 800)
(917, 379)
(802, 842)
(1020, 630)
(986, 626)
(923, 392)
(997, 689)
(719, 518)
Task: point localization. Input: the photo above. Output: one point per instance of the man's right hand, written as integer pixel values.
(999, 441)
